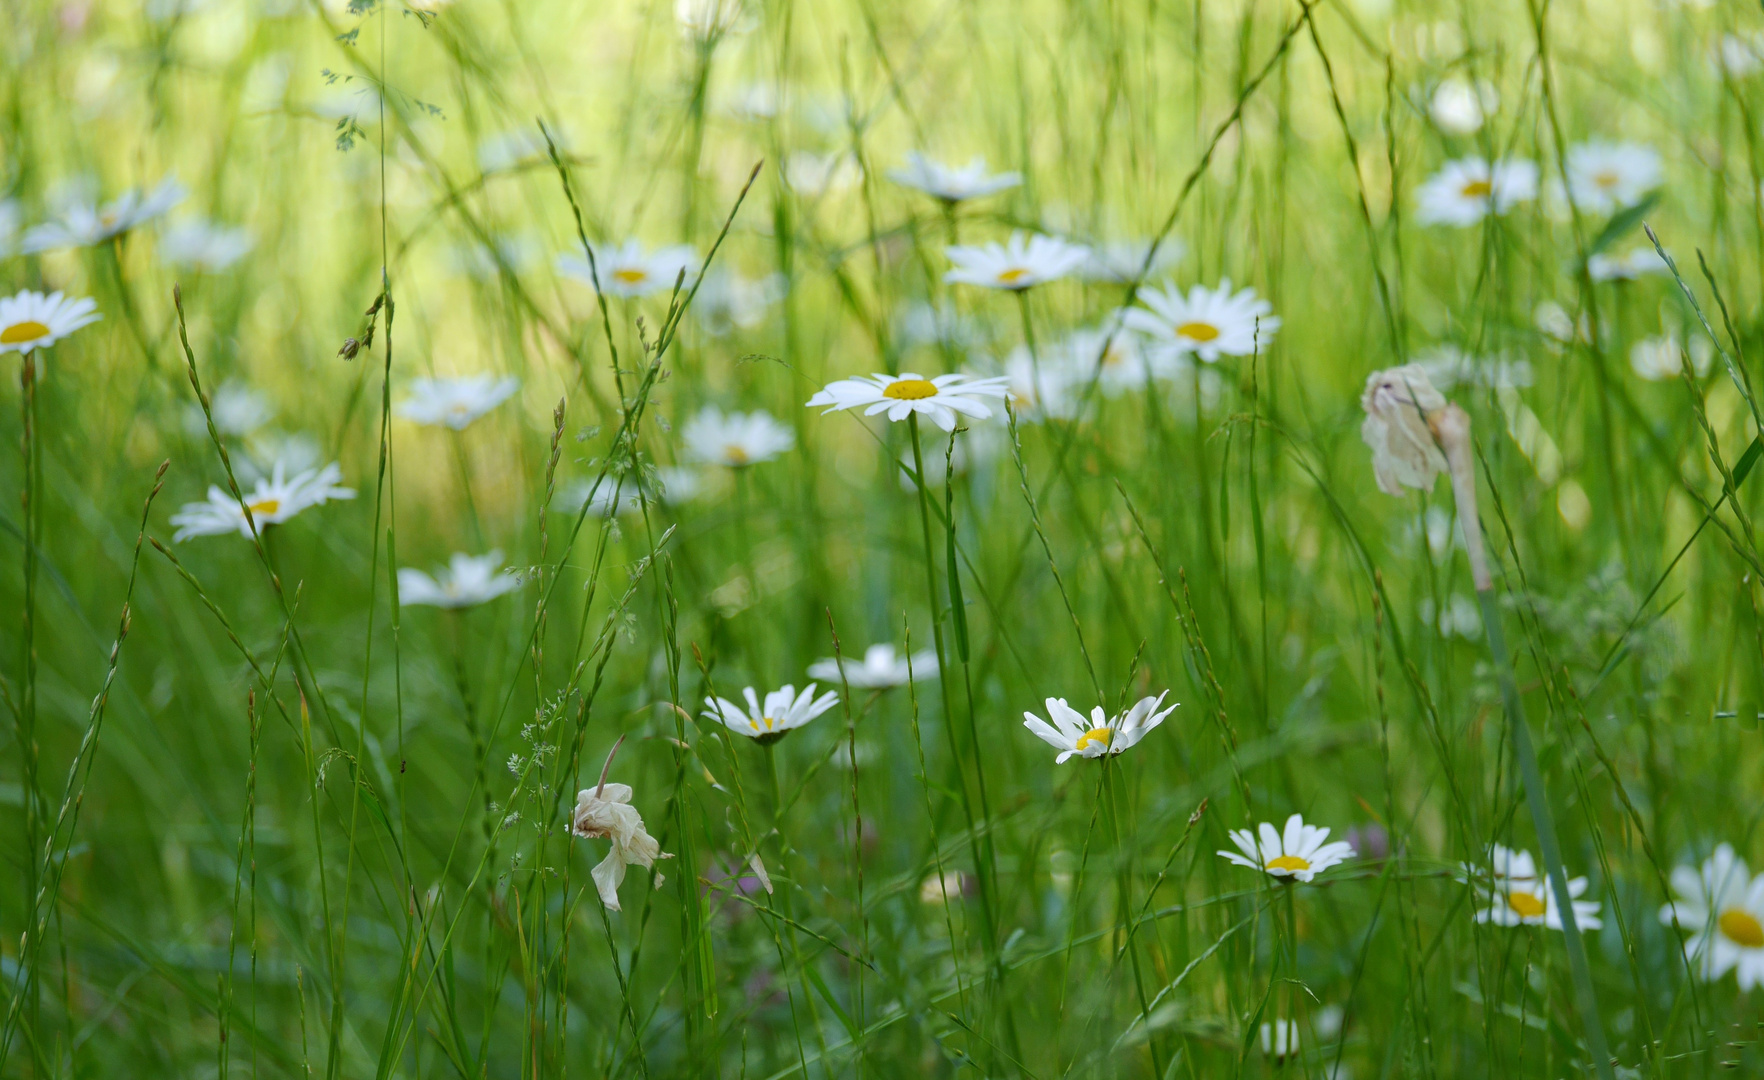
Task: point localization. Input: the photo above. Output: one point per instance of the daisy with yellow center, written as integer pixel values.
(629, 271)
(1722, 906)
(783, 711)
(82, 223)
(456, 402)
(1297, 853)
(1517, 895)
(1074, 734)
(938, 398)
(1465, 191)
(275, 499)
(1209, 323)
(735, 439)
(1021, 263)
(33, 320)
(1608, 176)
(949, 183)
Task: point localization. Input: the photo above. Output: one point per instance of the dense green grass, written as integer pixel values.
(284, 825)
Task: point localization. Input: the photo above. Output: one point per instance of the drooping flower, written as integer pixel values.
(1459, 107)
(82, 223)
(31, 320)
(455, 401)
(882, 667)
(629, 271)
(1607, 176)
(784, 711)
(1209, 323)
(1517, 895)
(1465, 191)
(468, 580)
(1299, 852)
(205, 245)
(1722, 906)
(939, 398)
(275, 499)
(606, 813)
(949, 183)
(1022, 262)
(1398, 404)
(735, 439)
(1071, 733)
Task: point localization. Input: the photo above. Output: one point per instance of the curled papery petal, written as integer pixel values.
(1398, 404)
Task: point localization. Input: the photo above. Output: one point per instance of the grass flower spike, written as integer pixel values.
(455, 402)
(467, 581)
(1021, 263)
(1469, 189)
(275, 499)
(1209, 323)
(1298, 853)
(881, 668)
(1072, 734)
(605, 812)
(784, 711)
(1517, 895)
(32, 320)
(735, 439)
(629, 271)
(950, 184)
(939, 398)
(1722, 906)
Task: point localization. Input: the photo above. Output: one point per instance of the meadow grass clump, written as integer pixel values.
(741, 538)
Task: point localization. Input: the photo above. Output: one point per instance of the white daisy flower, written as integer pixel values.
(1465, 191)
(1044, 389)
(880, 668)
(629, 271)
(275, 499)
(735, 439)
(32, 320)
(726, 300)
(1657, 358)
(949, 183)
(1298, 853)
(1209, 323)
(1120, 261)
(1072, 733)
(1639, 261)
(1448, 366)
(1723, 906)
(455, 401)
(1117, 359)
(1518, 895)
(922, 323)
(82, 223)
(1607, 176)
(900, 396)
(606, 812)
(205, 245)
(784, 711)
(1020, 263)
(814, 175)
(238, 410)
(1459, 107)
(467, 581)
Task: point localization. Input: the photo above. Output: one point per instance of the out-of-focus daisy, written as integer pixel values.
(294, 451)
(1459, 107)
(1020, 263)
(921, 323)
(784, 711)
(507, 149)
(32, 320)
(10, 215)
(607, 500)
(1209, 323)
(1657, 358)
(1741, 56)
(1280, 1038)
(1518, 896)
(755, 101)
(1072, 733)
(735, 439)
(1042, 389)
(899, 396)
(1553, 320)
(455, 401)
(727, 300)
(1448, 366)
(1122, 260)
(1299, 852)
(1722, 906)
(205, 245)
(1465, 191)
(1398, 404)
(238, 410)
(677, 485)
(1115, 358)
(487, 262)
(881, 667)
(275, 499)
(813, 175)
(468, 580)
(949, 183)
(629, 271)
(1606, 176)
(1637, 262)
(706, 19)
(82, 223)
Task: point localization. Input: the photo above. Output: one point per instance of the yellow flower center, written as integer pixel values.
(1742, 928)
(1013, 275)
(1528, 905)
(20, 332)
(766, 720)
(1198, 331)
(735, 455)
(1094, 735)
(1607, 179)
(1289, 862)
(1477, 189)
(631, 275)
(264, 507)
(910, 389)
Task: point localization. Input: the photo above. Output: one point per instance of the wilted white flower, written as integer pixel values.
(82, 223)
(467, 581)
(1459, 107)
(1209, 323)
(1639, 261)
(1298, 852)
(1657, 358)
(455, 401)
(903, 395)
(32, 320)
(1518, 895)
(1398, 403)
(1122, 260)
(813, 175)
(1020, 263)
(951, 184)
(1606, 176)
(881, 668)
(1723, 906)
(275, 499)
(629, 271)
(726, 300)
(205, 245)
(735, 439)
(606, 813)
(1072, 733)
(1465, 191)
(784, 711)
